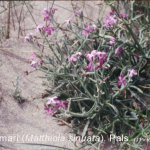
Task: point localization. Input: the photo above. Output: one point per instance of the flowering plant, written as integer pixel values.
(98, 77)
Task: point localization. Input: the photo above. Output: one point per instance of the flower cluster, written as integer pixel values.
(73, 57)
(112, 41)
(88, 29)
(27, 38)
(122, 81)
(54, 101)
(48, 29)
(99, 57)
(111, 19)
(39, 28)
(34, 64)
(123, 15)
(132, 72)
(47, 12)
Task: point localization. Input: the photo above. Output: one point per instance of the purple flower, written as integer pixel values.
(50, 110)
(51, 100)
(119, 52)
(92, 55)
(45, 10)
(95, 53)
(46, 13)
(61, 103)
(46, 16)
(102, 56)
(111, 12)
(85, 33)
(48, 29)
(78, 54)
(94, 27)
(39, 27)
(34, 64)
(110, 20)
(77, 11)
(90, 66)
(26, 72)
(121, 81)
(31, 57)
(99, 65)
(68, 21)
(28, 37)
(87, 29)
(132, 72)
(73, 57)
(112, 41)
(53, 10)
(136, 53)
(123, 15)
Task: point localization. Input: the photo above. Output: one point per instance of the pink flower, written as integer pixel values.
(90, 56)
(121, 81)
(132, 72)
(31, 57)
(48, 29)
(90, 66)
(50, 110)
(99, 65)
(72, 58)
(123, 15)
(119, 52)
(94, 27)
(78, 54)
(88, 28)
(68, 21)
(110, 20)
(28, 37)
(51, 100)
(136, 53)
(106, 23)
(102, 56)
(85, 32)
(46, 16)
(112, 41)
(111, 12)
(53, 10)
(47, 10)
(61, 103)
(39, 27)
(77, 11)
(34, 64)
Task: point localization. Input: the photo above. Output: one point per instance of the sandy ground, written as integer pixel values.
(27, 120)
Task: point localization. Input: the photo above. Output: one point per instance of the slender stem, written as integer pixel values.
(8, 20)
